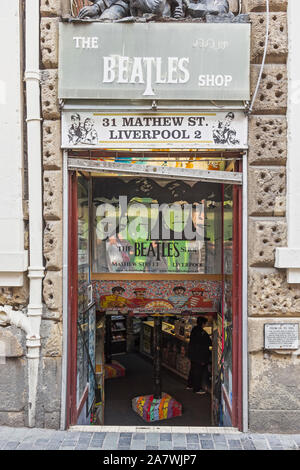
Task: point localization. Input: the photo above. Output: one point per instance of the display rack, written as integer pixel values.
(118, 334)
(174, 348)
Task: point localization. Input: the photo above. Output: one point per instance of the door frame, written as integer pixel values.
(240, 354)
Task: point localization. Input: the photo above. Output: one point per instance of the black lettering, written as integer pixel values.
(112, 135)
(143, 249)
(146, 134)
(136, 134)
(137, 249)
(170, 249)
(191, 121)
(151, 250)
(201, 120)
(138, 122)
(165, 134)
(127, 122)
(176, 134)
(177, 121)
(176, 251)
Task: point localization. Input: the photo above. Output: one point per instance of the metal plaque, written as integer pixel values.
(166, 61)
(217, 130)
(281, 336)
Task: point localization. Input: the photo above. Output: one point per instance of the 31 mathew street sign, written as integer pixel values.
(165, 61)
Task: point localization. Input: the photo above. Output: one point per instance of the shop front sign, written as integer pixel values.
(217, 130)
(184, 61)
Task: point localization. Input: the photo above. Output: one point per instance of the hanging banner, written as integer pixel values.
(217, 130)
(165, 61)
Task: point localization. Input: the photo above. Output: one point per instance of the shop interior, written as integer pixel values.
(148, 266)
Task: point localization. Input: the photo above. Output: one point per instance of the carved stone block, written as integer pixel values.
(51, 334)
(13, 418)
(13, 346)
(52, 290)
(274, 421)
(272, 93)
(15, 296)
(260, 5)
(52, 154)
(50, 7)
(52, 195)
(50, 105)
(13, 379)
(234, 6)
(274, 391)
(267, 191)
(278, 37)
(267, 140)
(53, 240)
(264, 237)
(54, 315)
(49, 42)
(269, 293)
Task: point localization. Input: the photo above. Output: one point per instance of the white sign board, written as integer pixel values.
(282, 336)
(217, 130)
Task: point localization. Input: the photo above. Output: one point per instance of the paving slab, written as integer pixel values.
(143, 438)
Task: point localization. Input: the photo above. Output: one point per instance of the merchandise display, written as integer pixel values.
(134, 329)
(156, 409)
(114, 370)
(118, 334)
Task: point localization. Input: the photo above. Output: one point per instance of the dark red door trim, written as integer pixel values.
(237, 408)
(71, 418)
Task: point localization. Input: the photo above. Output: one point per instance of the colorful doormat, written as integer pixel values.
(155, 409)
(114, 370)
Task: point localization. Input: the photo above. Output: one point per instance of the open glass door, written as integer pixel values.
(82, 312)
(143, 252)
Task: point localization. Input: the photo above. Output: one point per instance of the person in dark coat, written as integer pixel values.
(199, 354)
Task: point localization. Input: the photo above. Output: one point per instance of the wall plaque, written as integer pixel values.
(281, 336)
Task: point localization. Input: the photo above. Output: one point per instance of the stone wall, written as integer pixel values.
(49, 388)
(274, 387)
(274, 394)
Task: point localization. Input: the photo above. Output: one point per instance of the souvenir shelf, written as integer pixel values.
(173, 348)
(118, 334)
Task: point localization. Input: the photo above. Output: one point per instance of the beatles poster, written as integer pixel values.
(142, 225)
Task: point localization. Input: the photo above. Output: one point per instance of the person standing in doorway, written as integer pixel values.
(198, 353)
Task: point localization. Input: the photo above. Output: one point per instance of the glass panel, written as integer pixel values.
(92, 353)
(83, 282)
(227, 304)
(156, 226)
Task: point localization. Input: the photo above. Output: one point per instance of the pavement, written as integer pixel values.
(131, 438)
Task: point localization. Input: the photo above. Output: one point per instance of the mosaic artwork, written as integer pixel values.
(155, 409)
(165, 295)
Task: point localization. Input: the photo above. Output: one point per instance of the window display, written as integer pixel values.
(156, 226)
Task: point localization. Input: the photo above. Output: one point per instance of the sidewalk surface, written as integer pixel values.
(143, 438)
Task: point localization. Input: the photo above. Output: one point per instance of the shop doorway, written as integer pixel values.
(180, 259)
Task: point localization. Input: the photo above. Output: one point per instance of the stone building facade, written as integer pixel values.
(273, 377)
